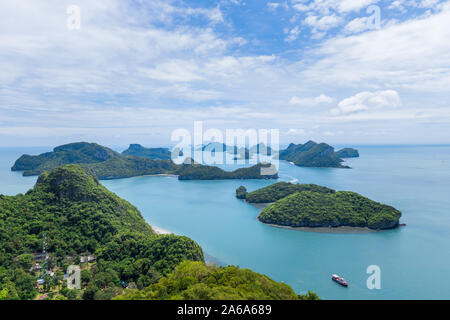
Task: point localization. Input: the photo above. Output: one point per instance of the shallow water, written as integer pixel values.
(414, 260)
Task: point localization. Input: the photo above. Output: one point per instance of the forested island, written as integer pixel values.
(70, 215)
(348, 153)
(152, 153)
(200, 172)
(109, 164)
(239, 153)
(312, 206)
(312, 154)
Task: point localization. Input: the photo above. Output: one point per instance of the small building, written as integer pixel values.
(89, 258)
(39, 256)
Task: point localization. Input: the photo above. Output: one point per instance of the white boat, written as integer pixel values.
(339, 280)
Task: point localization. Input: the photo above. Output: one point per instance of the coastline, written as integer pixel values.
(259, 205)
(335, 230)
(332, 230)
(208, 258)
(159, 175)
(158, 230)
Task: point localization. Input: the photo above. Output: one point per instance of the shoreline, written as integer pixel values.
(159, 175)
(159, 230)
(209, 259)
(330, 230)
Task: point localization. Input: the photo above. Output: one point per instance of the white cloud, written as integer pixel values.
(292, 34)
(276, 5)
(366, 100)
(409, 55)
(150, 67)
(354, 5)
(357, 25)
(296, 132)
(322, 23)
(311, 102)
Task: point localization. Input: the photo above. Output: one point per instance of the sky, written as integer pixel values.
(117, 72)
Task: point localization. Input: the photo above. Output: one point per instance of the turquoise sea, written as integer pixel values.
(414, 260)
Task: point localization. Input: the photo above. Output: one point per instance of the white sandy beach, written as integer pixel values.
(161, 230)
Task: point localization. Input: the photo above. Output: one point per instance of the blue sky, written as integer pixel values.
(137, 70)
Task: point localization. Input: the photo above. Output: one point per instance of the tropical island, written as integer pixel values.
(152, 153)
(312, 154)
(109, 164)
(347, 153)
(69, 218)
(312, 206)
(241, 153)
(201, 172)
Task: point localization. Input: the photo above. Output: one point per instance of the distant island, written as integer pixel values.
(312, 154)
(200, 172)
(152, 153)
(348, 153)
(109, 164)
(80, 222)
(313, 206)
(239, 153)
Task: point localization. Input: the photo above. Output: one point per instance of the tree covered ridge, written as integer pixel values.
(312, 154)
(197, 281)
(278, 191)
(152, 153)
(342, 208)
(77, 214)
(108, 164)
(72, 153)
(310, 205)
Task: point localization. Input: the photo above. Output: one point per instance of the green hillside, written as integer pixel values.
(152, 153)
(108, 164)
(342, 208)
(312, 154)
(197, 281)
(278, 191)
(78, 215)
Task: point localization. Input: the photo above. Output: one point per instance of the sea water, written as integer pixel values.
(414, 260)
